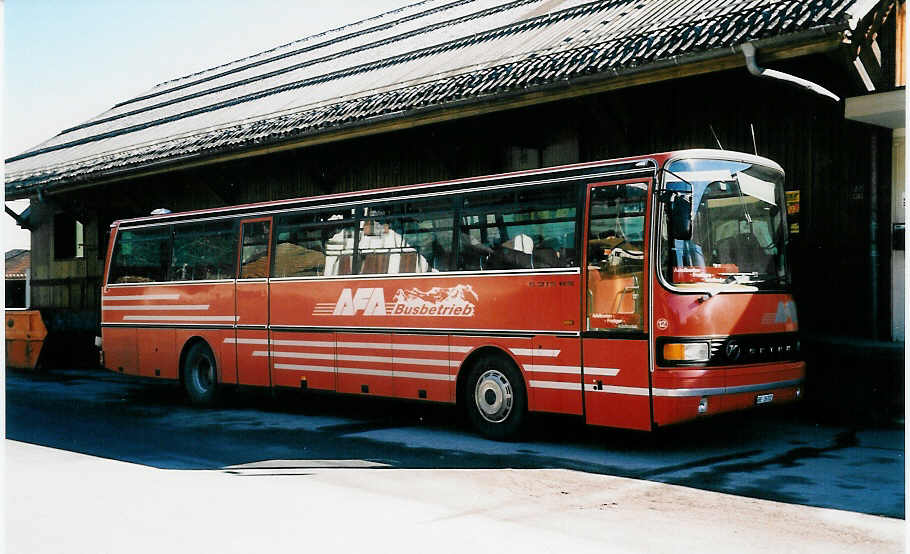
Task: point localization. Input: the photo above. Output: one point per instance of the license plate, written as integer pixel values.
(764, 398)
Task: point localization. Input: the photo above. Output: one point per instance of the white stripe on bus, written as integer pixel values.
(555, 385)
(297, 367)
(608, 371)
(361, 371)
(304, 355)
(430, 376)
(401, 346)
(363, 345)
(532, 352)
(631, 391)
(374, 359)
(177, 307)
(534, 368)
(175, 318)
(245, 341)
(352, 358)
(310, 343)
(421, 347)
(374, 345)
(421, 361)
(143, 297)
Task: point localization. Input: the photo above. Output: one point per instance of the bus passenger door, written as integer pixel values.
(252, 338)
(615, 369)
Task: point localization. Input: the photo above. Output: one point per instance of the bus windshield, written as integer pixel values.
(738, 233)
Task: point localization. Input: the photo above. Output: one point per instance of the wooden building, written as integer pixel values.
(18, 266)
(452, 88)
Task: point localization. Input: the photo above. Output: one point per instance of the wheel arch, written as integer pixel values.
(187, 345)
(471, 359)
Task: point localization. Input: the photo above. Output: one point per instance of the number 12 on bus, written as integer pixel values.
(636, 293)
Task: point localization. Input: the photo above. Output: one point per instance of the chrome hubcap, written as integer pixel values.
(493, 396)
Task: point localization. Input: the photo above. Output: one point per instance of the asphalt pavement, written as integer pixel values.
(779, 454)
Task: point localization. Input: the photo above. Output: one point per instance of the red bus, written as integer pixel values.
(637, 293)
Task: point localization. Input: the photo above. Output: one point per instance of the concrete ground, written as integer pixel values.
(780, 455)
(59, 501)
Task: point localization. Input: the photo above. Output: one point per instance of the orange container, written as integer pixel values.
(25, 334)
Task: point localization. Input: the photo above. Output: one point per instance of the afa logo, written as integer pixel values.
(371, 301)
(457, 301)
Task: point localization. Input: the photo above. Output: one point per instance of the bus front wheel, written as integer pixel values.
(495, 398)
(199, 376)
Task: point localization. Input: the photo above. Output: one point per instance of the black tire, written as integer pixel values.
(200, 375)
(495, 397)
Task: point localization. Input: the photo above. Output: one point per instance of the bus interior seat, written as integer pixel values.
(521, 243)
(339, 254)
(374, 264)
(547, 257)
(474, 255)
(508, 258)
(256, 268)
(292, 260)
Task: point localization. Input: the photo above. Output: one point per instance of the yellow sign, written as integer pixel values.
(793, 210)
(792, 202)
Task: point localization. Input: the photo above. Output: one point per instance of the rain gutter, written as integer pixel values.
(750, 53)
(20, 220)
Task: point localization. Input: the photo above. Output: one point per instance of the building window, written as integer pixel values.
(69, 237)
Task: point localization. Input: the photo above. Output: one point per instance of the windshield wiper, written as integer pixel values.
(742, 203)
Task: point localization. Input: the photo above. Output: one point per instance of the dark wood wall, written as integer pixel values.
(834, 164)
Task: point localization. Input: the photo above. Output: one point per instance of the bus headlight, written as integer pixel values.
(687, 352)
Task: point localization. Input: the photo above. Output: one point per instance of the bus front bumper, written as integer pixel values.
(683, 394)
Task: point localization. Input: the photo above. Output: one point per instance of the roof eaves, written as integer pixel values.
(482, 97)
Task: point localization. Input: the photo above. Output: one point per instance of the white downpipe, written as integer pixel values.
(750, 51)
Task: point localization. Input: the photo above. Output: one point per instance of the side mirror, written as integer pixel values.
(681, 218)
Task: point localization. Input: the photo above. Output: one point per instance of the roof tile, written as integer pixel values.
(422, 56)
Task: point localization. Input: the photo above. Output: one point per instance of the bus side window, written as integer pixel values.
(378, 243)
(413, 237)
(299, 249)
(524, 228)
(141, 256)
(616, 258)
(254, 252)
(431, 240)
(427, 226)
(476, 242)
(337, 234)
(203, 251)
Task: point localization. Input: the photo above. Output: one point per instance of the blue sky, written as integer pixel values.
(66, 61)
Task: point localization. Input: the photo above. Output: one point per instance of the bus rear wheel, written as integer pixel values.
(199, 375)
(495, 398)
